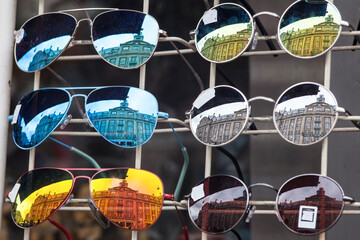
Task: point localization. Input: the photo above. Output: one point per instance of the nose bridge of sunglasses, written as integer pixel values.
(256, 34)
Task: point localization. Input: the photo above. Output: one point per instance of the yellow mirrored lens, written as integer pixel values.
(130, 198)
(32, 207)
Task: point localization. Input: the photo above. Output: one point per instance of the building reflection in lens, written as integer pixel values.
(217, 210)
(314, 191)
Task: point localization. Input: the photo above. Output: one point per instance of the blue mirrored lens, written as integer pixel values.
(40, 112)
(125, 39)
(42, 39)
(125, 116)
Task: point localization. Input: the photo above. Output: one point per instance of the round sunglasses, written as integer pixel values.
(304, 114)
(123, 38)
(306, 204)
(305, 30)
(127, 197)
(124, 116)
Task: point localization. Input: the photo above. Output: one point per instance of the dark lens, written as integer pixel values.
(38, 194)
(125, 116)
(219, 115)
(37, 115)
(218, 203)
(308, 30)
(130, 198)
(309, 204)
(42, 39)
(125, 39)
(305, 113)
(224, 33)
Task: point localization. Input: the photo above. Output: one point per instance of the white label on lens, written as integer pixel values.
(210, 16)
(19, 35)
(12, 194)
(307, 217)
(16, 114)
(197, 192)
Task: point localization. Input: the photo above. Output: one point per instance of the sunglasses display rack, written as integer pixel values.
(188, 47)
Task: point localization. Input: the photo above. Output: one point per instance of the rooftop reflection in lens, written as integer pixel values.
(224, 32)
(218, 203)
(310, 204)
(125, 116)
(305, 114)
(307, 30)
(218, 115)
(126, 39)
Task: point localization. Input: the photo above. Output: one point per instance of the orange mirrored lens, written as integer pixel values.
(130, 198)
(38, 194)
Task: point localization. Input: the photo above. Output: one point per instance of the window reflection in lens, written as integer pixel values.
(219, 115)
(125, 116)
(307, 30)
(42, 40)
(309, 204)
(41, 192)
(130, 198)
(126, 39)
(218, 203)
(305, 113)
(40, 113)
(223, 33)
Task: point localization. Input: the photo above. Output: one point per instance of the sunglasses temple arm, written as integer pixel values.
(196, 75)
(236, 234)
(184, 227)
(91, 160)
(234, 161)
(56, 224)
(184, 167)
(351, 29)
(356, 123)
(103, 221)
(348, 199)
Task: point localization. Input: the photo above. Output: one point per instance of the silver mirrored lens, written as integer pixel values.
(305, 113)
(218, 115)
(37, 115)
(218, 203)
(224, 33)
(309, 204)
(42, 39)
(308, 30)
(125, 116)
(125, 39)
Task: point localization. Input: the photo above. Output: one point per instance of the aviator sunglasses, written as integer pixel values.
(124, 116)
(127, 197)
(123, 38)
(307, 29)
(306, 204)
(304, 114)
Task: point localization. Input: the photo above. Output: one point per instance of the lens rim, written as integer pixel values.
(138, 89)
(66, 46)
(332, 126)
(315, 175)
(245, 209)
(125, 10)
(58, 124)
(307, 57)
(245, 48)
(193, 129)
(55, 211)
(136, 169)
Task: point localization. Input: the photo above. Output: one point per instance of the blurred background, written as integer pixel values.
(263, 158)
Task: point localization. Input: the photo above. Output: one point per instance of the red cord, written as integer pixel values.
(56, 224)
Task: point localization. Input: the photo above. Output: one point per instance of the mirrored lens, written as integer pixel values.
(309, 29)
(38, 194)
(309, 204)
(42, 39)
(37, 115)
(219, 115)
(125, 116)
(130, 198)
(218, 203)
(305, 114)
(223, 33)
(125, 39)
